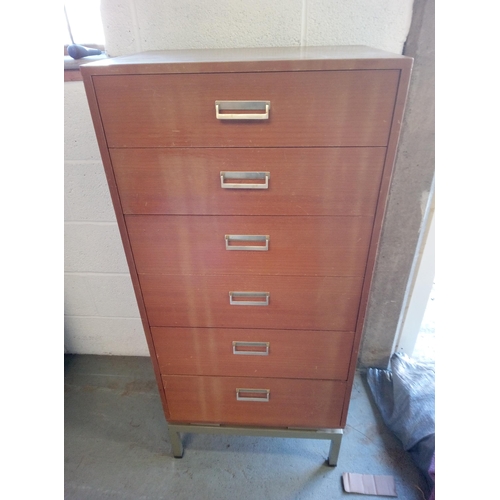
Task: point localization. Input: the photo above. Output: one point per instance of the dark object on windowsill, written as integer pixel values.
(73, 65)
(79, 51)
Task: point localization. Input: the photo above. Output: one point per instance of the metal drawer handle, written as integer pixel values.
(244, 106)
(234, 295)
(264, 392)
(244, 176)
(247, 237)
(253, 345)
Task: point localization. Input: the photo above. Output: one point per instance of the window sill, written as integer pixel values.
(72, 66)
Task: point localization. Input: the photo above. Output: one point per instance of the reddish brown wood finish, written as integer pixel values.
(296, 302)
(292, 403)
(305, 181)
(115, 198)
(331, 108)
(258, 59)
(303, 246)
(291, 354)
(323, 96)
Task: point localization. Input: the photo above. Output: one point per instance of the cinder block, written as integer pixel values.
(80, 142)
(169, 24)
(383, 24)
(78, 298)
(86, 193)
(104, 336)
(93, 248)
(113, 295)
(106, 295)
(120, 26)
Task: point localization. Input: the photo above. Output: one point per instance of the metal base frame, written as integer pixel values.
(332, 435)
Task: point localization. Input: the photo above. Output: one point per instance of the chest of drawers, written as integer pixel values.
(249, 187)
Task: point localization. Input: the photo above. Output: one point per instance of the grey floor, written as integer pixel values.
(117, 447)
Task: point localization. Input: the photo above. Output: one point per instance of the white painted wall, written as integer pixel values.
(101, 316)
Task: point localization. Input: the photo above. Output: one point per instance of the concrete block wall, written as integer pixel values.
(101, 316)
(139, 25)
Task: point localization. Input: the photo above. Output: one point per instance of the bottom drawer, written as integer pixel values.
(255, 401)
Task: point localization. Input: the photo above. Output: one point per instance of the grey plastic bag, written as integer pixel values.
(405, 396)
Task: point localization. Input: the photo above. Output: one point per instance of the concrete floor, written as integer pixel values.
(117, 447)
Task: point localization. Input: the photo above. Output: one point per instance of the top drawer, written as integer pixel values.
(311, 108)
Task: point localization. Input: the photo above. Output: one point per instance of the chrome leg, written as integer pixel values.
(335, 443)
(176, 443)
(332, 435)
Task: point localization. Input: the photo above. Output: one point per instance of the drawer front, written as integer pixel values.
(253, 353)
(291, 403)
(305, 181)
(303, 246)
(328, 108)
(295, 302)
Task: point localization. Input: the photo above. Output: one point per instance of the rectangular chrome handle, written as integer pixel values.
(253, 348)
(242, 106)
(238, 295)
(244, 176)
(247, 237)
(264, 392)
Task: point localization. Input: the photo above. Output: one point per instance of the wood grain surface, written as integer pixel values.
(329, 145)
(300, 246)
(290, 353)
(250, 59)
(296, 302)
(292, 402)
(331, 108)
(303, 181)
